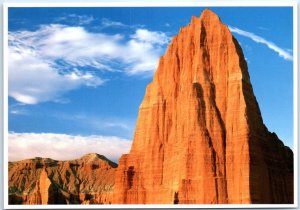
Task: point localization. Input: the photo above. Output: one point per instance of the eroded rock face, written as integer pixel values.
(44, 185)
(200, 137)
(87, 180)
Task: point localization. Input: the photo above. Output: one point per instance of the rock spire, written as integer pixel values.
(200, 137)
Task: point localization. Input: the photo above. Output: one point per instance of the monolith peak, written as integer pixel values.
(200, 137)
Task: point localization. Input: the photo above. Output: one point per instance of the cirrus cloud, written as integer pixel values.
(76, 19)
(105, 23)
(281, 52)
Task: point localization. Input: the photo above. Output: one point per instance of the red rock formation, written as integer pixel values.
(200, 137)
(88, 180)
(43, 187)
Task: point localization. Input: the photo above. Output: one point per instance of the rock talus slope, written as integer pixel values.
(87, 180)
(200, 137)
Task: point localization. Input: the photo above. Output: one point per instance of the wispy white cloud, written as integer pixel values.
(64, 147)
(112, 125)
(17, 109)
(281, 52)
(143, 50)
(105, 22)
(108, 23)
(34, 78)
(96, 122)
(263, 28)
(17, 112)
(46, 63)
(76, 19)
(152, 37)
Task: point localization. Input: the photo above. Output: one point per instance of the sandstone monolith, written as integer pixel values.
(200, 137)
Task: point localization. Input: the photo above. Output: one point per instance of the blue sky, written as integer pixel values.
(78, 75)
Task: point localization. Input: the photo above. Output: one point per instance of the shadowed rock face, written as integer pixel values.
(200, 137)
(87, 180)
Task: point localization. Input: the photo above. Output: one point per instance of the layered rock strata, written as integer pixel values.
(87, 180)
(200, 137)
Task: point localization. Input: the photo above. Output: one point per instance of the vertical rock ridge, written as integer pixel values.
(199, 136)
